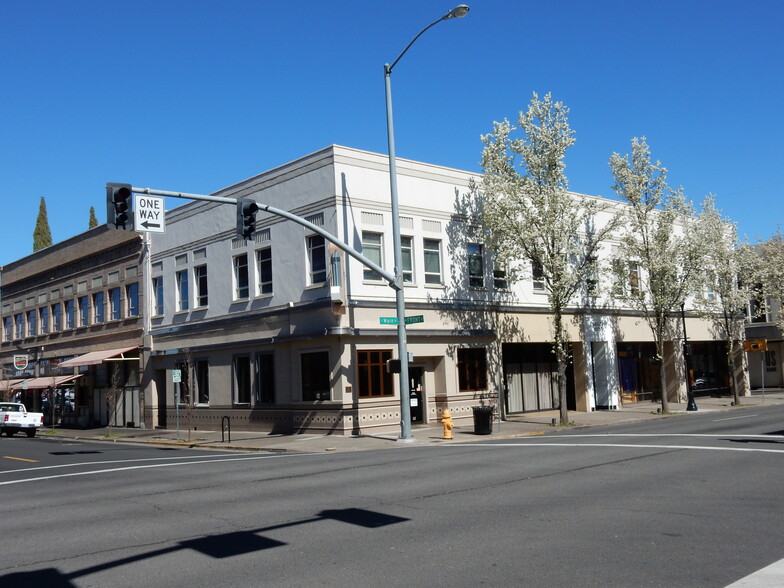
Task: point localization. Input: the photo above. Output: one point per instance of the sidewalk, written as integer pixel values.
(539, 423)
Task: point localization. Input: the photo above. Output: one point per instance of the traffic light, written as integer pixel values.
(246, 217)
(118, 205)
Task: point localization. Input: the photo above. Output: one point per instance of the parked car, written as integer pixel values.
(14, 418)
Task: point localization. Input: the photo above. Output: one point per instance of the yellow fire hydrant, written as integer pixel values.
(446, 419)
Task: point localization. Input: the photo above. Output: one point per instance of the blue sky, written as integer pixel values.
(195, 95)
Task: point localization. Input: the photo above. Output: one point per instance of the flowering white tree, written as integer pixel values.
(530, 214)
(771, 273)
(663, 239)
(724, 295)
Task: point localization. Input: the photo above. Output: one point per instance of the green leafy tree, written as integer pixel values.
(42, 236)
(93, 222)
(531, 215)
(723, 296)
(661, 236)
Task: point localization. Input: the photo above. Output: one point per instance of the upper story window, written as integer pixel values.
(181, 277)
(407, 250)
(157, 295)
(371, 248)
(8, 328)
(432, 252)
(241, 283)
(132, 296)
(264, 271)
(32, 323)
(84, 311)
(115, 308)
(57, 317)
(317, 260)
(537, 274)
(500, 281)
(70, 314)
(99, 311)
(19, 325)
(476, 268)
(200, 285)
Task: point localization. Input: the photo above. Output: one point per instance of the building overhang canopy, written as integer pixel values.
(96, 357)
(37, 383)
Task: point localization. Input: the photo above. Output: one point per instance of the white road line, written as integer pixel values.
(92, 463)
(625, 445)
(649, 435)
(145, 467)
(747, 416)
(768, 577)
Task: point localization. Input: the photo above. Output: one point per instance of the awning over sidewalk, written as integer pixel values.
(37, 383)
(96, 357)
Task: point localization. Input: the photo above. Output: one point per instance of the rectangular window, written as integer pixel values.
(70, 314)
(202, 392)
(57, 317)
(374, 380)
(264, 271)
(317, 260)
(537, 273)
(32, 323)
(265, 378)
(115, 308)
(132, 295)
(500, 281)
(43, 315)
(19, 325)
(241, 284)
(634, 278)
(98, 308)
(84, 311)
(315, 374)
(472, 369)
(182, 289)
(407, 249)
(157, 295)
(476, 267)
(200, 284)
(432, 251)
(371, 248)
(242, 380)
(8, 327)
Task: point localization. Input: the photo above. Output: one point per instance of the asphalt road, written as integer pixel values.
(675, 502)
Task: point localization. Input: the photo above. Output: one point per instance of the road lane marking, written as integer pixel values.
(20, 458)
(111, 461)
(770, 576)
(148, 466)
(746, 416)
(708, 435)
(623, 445)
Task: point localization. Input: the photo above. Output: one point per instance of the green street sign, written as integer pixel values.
(409, 320)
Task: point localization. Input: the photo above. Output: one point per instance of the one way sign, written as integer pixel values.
(148, 213)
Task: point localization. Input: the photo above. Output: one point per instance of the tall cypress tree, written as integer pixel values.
(93, 221)
(42, 236)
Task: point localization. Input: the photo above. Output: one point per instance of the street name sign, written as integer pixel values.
(409, 320)
(148, 213)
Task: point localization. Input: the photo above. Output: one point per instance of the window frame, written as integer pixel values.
(430, 254)
(316, 264)
(475, 265)
(200, 286)
(310, 388)
(241, 277)
(373, 249)
(472, 369)
(99, 309)
(373, 379)
(264, 269)
(115, 303)
(182, 287)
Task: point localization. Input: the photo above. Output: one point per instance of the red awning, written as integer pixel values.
(96, 357)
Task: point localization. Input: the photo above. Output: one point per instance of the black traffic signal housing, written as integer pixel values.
(118, 206)
(246, 217)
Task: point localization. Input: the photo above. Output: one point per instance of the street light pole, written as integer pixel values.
(691, 405)
(400, 298)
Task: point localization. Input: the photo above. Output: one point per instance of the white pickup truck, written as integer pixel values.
(14, 418)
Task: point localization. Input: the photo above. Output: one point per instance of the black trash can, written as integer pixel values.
(483, 420)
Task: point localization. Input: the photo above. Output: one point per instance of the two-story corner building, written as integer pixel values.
(72, 326)
(285, 332)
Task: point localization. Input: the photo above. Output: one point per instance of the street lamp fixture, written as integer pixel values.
(691, 405)
(400, 301)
